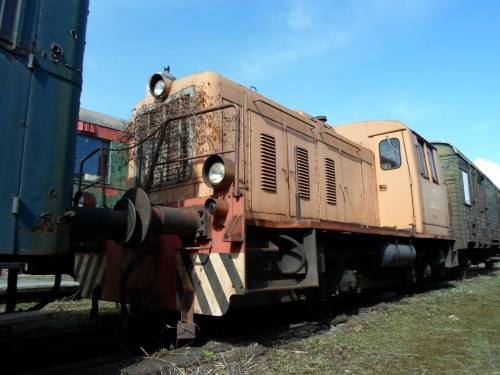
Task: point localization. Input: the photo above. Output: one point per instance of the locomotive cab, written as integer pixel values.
(410, 187)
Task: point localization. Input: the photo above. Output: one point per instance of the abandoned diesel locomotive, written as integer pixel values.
(238, 200)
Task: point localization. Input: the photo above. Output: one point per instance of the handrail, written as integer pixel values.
(154, 161)
(103, 165)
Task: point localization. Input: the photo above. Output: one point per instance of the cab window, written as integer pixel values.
(95, 167)
(421, 159)
(432, 163)
(390, 154)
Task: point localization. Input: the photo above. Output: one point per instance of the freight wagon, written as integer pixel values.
(474, 207)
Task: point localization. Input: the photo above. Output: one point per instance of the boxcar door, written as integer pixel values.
(393, 181)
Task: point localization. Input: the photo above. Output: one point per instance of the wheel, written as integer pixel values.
(426, 272)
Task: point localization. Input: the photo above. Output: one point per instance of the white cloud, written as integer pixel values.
(410, 111)
(490, 169)
(298, 16)
(315, 29)
(480, 128)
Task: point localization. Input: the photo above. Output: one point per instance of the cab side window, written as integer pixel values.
(390, 154)
(432, 163)
(421, 159)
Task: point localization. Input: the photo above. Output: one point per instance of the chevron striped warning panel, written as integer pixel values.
(89, 272)
(213, 279)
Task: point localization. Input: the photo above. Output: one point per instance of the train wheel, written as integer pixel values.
(426, 272)
(408, 281)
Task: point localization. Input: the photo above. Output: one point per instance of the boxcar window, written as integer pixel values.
(465, 183)
(432, 163)
(93, 167)
(421, 159)
(390, 154)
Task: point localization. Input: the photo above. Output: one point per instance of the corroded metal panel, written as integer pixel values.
(40, 65)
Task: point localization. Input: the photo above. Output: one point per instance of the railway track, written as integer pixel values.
(32, 294)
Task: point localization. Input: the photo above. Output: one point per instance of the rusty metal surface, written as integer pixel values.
(186, 127)
(166, 127)
(341, 227)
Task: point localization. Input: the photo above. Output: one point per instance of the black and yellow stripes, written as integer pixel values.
(89, 272)
(213, 278)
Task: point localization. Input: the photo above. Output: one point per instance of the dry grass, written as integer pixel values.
(454, 330)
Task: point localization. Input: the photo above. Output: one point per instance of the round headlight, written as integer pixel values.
(216, 173)
(159, 88)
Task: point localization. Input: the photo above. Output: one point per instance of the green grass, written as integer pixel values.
(455, 330)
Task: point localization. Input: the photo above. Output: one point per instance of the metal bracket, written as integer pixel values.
(234, 231)
(13, 271)
(186, 329)
(203, 231)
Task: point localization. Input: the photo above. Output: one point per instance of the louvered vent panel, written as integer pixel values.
(268, 162)
(302, 159)
(331, 182)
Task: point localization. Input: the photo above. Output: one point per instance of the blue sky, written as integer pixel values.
(433, 64)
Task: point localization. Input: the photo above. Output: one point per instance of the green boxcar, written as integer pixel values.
(474, 206)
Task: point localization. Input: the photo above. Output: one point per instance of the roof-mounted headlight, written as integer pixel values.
(159, 86)
(218, 172)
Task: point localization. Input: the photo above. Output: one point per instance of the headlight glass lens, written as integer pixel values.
(159, 87)
(216, 173)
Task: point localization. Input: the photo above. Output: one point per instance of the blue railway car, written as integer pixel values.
(41, 56)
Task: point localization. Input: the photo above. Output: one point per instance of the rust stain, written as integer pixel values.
(189, 137)
(46, 224)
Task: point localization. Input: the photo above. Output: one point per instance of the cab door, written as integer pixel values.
(393, 181)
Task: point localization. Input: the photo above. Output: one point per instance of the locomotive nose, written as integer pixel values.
(133, 218)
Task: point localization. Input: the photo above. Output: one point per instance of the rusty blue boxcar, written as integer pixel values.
(41, 56)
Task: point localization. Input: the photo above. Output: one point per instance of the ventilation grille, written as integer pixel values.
(302, 159)
(331, 182)
(268, 162)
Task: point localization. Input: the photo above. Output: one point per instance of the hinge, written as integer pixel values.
(15, 204)
(31, 61)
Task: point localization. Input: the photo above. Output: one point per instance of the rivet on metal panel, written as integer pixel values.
(56, 52)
